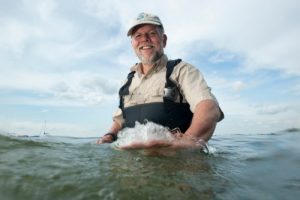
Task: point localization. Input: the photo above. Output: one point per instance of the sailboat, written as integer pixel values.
(45, 133)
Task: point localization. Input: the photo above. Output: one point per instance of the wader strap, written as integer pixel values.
(170, 67)
(171, 89)
(124, 90)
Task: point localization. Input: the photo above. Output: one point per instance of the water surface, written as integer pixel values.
(239, 167)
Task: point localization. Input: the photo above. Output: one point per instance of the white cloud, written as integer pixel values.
(13, 35)
(69, 89)
(230, 86)
(243, 118)
(44, 8)
(238, 86)
(271, 109)
(223, 56)
(267, 38)
(265, 34)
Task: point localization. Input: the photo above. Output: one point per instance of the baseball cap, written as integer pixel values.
(144, 18)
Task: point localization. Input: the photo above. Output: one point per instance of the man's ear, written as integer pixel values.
(165, 38)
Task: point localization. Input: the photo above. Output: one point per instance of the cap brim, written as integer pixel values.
(129, 33)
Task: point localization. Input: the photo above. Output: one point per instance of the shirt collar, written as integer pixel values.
(158, 65)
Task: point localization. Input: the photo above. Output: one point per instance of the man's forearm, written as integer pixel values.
(204, 120)
(115, 128)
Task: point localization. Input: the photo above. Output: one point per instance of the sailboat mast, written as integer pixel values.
(45, 123)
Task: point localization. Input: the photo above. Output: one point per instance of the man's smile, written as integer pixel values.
(145, 47)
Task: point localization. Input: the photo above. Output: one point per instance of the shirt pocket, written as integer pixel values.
(155, 94)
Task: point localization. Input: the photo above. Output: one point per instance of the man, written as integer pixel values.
(171, 93)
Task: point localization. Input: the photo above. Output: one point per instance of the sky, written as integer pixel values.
(63, 61)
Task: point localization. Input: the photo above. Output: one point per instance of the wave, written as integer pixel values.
(8, 142)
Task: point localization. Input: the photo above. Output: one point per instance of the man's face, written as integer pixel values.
(148, 43)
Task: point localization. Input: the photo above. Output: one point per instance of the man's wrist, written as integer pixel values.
(113, 135)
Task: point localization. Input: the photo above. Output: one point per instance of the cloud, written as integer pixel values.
(271, 109)
(227, 85)
(266, 38)
(76, 88)
(13, 36)
(50, 33)
(88, 89)
(295, 89)
(222, 56)
(244, 118)
(238, 86)
(44, 8)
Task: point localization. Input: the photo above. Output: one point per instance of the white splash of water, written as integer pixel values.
(209, 149)
(143, 133)
(154, 135)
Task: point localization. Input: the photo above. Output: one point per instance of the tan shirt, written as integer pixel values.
(149, 88)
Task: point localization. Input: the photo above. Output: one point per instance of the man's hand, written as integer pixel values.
(111, 135)
(105, 139)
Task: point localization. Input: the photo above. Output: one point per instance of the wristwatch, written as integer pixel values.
(113, 135)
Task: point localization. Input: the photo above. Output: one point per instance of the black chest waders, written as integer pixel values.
(167, 113)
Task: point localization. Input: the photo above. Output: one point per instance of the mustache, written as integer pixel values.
(145, 45)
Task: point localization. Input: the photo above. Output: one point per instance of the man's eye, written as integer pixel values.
(152, 33)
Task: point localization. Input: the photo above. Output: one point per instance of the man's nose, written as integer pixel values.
(145, 37)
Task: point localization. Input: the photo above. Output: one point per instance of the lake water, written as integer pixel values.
(248, 166)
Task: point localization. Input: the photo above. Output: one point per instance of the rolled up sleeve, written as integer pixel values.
(118, 117)
(193, 86)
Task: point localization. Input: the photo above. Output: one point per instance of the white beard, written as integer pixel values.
(151, 60)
